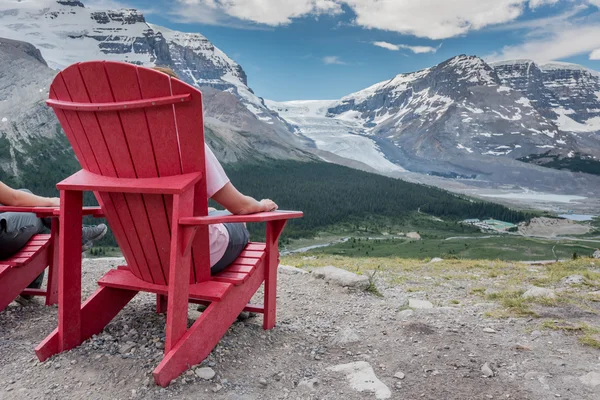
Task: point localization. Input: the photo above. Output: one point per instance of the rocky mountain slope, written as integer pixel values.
(65, 31)
(465, 118)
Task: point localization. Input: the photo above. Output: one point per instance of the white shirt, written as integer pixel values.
(216, 179)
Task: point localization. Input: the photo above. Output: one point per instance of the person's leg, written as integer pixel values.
(16, 229)
(238, 239)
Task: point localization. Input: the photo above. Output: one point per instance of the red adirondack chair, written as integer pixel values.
(40, 252)
(139, 137)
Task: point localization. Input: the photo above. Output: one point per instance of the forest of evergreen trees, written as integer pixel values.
(575, 164)
(330, 194)
(327, 194)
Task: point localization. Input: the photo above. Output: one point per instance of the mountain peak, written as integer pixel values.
(70, 3)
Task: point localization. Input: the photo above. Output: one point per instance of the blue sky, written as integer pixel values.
(325, 49)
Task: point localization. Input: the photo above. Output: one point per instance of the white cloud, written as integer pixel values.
(414, 49)
(556, 39)
(267, 12)
(595, 55)
(533, 4)
(434, 19)
(333, 60)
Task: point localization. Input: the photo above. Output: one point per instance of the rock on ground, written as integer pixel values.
(597, 254)
(341, 277)
(413, 235)
(419, 304)
(344, 337)
(535, 291)
(591, 379)
(288, 270)
(205, 373)
(362, 378)
(487, 371)
(574, 280)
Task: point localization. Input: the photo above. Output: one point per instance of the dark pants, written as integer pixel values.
(16, 229)
(238, 239)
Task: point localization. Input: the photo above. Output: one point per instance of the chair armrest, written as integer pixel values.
(47, 212)
(259, 217)
(87, 181)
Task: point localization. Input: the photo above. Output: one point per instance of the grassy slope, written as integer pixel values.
(493, 248)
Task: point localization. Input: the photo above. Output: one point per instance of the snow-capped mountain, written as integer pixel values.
(467, 118)
(65, 32)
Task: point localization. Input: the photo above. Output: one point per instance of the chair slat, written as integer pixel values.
(74, 131)
(240, 268)
(100, 90)
(98, 144)
(125, 87)
(190, 128)
(123, 279)
(253, 246)
(234, 278)
(28, 252)
(252, 254)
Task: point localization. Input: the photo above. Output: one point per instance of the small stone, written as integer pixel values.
(288, 270)
(342, 278)
(591, 379)
(420, 304)
(574, 280)
(309, 384)
(436, 260)
(489, 330)
(487, 371)
(399, 375)
(596, 254)
(263, 382)
(205, 373)
(404, 314)
(539, 292)
(126, 348)
(362, 378)
(279, 376)
(217, 388)
(345, 336)
(398, 385)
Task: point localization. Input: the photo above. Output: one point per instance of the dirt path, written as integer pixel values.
(440, 351)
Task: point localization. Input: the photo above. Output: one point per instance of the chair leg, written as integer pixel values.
(95, 314)
(198, 341)
(274, 229)
(179, 271)
(69, 270)
(52, 285)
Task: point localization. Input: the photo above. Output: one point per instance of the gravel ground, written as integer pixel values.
(438, 348)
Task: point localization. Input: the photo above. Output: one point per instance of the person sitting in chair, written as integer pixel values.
(17, 228)
(227, 240)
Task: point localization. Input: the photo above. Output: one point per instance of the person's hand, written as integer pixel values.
(268, 205)
(54, 202)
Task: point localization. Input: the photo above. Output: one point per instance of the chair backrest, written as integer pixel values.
(133, 122)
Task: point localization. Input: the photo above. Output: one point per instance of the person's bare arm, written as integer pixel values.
(238, 203)
(16, 198)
